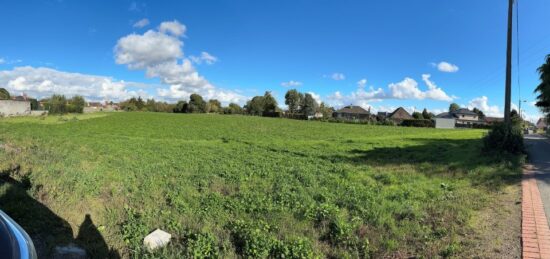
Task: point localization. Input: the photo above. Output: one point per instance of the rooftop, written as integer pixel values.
(353, 109)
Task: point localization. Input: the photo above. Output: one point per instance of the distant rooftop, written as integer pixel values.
(353, 109)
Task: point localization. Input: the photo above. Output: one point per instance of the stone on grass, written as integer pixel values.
(156, 239)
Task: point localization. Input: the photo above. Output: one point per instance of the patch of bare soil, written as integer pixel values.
(496, 230)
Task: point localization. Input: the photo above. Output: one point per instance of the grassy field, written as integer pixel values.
(236, 186)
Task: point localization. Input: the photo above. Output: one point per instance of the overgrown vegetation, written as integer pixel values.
(59, 104)
(244, 186)
(506, 138)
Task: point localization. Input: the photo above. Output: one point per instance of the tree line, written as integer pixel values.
(300, 104)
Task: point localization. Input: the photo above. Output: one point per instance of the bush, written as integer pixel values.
(201, 245)
(504, 138)
(298, 248)
(252, 240)
(418, 123)
(57, 104)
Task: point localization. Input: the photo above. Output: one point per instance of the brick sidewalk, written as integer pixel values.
(535, 234)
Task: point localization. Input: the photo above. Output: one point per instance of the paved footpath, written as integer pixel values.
(535, 233)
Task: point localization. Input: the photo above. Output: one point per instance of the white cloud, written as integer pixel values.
(291, 83)
(315, 96)
(204, 57)
(159, 54)
(406, 89)
(43, 82)
(338, 76)
(150, 49)
(482, 103)
(174, 27)
(141, 23)
(434, 92)
(10, 62)
(446, 67)
(362, 82)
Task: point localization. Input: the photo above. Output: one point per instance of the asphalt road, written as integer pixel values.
(539, 156)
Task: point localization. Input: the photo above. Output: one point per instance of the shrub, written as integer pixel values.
(418, 123)
(200, 245)
(252, 240)
(504, 138)
(298, 248)
(57, 104)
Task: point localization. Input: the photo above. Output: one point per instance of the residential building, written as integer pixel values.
(462, 118)
(352, 112)
(398, 115)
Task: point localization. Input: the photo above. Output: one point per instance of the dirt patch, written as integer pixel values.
(496, 229)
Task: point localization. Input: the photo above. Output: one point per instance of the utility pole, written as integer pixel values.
(508, 92)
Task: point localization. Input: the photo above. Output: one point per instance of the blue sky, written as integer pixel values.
(413, 54)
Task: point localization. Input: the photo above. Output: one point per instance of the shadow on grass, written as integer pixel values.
(47, 229)
(460, 158)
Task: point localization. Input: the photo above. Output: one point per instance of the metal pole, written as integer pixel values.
(508, 92)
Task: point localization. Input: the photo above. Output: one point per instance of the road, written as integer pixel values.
(539, 156)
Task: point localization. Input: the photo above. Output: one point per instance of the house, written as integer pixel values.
(466, 117)
(352, 112)
(460, 118)
(399, 115)
(542, 123)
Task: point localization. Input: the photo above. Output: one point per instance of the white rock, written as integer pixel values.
(156, 239)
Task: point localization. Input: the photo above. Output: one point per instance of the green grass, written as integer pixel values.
(230, 186)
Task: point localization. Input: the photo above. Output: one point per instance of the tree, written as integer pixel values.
(181, 107)
(270, 104)
(233, 108)
(214, 106)
(293, 99)
(417, 116)
(255, 106)
(326, 110)
(76, 104)
(4, 94)
(480, 113)
(151, 105)
(57, 104)
(453, 107)
(543, 89)
(196, 104)
(140, 104)
(515, 118)
(129, 105)
(309, 105)
(426, 115)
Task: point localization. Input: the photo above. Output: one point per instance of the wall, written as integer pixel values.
(14, 108)
(38, 113)
(444, 123)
